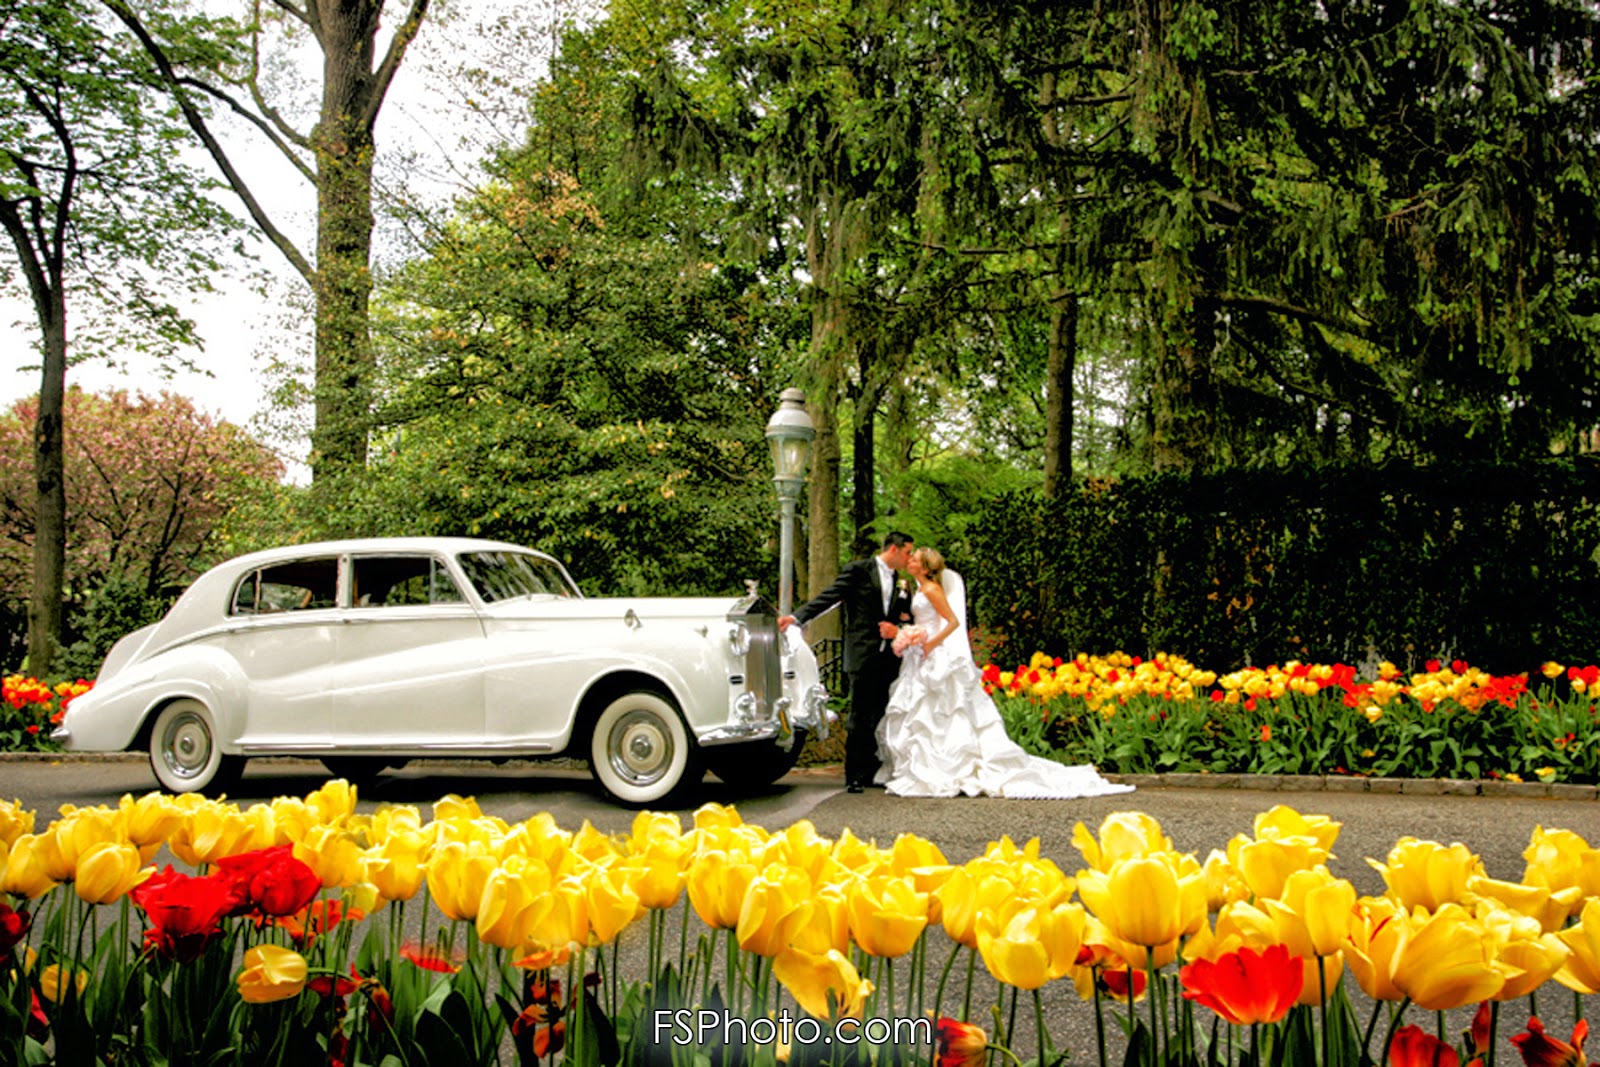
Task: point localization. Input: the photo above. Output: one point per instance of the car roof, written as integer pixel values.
(451, 545)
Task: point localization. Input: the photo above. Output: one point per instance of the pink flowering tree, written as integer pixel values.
(149, 484)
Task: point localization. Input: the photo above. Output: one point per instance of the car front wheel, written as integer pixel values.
(754, 765)
(641, 751)
(184, 753)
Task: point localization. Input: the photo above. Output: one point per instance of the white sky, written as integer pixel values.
(431, 134)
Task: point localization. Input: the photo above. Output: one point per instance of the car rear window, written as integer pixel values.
(299, 585)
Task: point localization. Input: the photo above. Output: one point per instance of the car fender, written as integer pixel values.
(111, 716)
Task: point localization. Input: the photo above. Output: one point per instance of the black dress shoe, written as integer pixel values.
(855, 787)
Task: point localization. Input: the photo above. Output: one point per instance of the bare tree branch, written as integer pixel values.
(259, 123)
(197, 123)
(403, 36)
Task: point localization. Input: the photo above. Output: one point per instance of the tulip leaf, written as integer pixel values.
(601, 1035)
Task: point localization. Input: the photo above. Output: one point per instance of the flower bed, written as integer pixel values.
(1133, 716)
(286, 938)
(30, 709)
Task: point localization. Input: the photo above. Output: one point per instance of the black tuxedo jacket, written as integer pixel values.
(857, 589)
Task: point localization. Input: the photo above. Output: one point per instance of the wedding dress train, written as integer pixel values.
(942, 736)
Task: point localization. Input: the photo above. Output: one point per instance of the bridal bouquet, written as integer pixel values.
(909, 637)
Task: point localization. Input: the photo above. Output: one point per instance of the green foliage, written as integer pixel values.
(1257, 567)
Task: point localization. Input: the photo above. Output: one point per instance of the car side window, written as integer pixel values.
(400, 581)
(299, 585)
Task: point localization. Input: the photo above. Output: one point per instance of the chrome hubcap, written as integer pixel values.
(186, 745)
(640, 748)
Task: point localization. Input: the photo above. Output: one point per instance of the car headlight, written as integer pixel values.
(739, 639)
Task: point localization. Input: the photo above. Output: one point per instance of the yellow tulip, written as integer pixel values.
(826, 925)
(911, 853)
(456, 874)
(1527, 955)
(1378, 932)
(1267, 863)
(1325, 905)
(395, 819)
(965, 895)
(1581, 972)
(1284, 821)
(271, 973)
(333, 853)
(210, 832)
(395, 865)
(151, 819)
(1223, 882)
(776, 904)
(656, 876)
(1447, 961)
(887, 915)
(15, 820)
(612, 904)
(333, 803)
(802, 847)
(1147, 900)
(1025, 944)
(1426, 874)
(814, 980)
(509, 891)
(53, 982)
(1549, 908)
(566, 920)
(856, 855)
(24, 873)
(74, 834)
(288, 819)
(1558, 859)
(106, 871)
(452, 806)
(1123, 834)
(717, 882)
(716, 816)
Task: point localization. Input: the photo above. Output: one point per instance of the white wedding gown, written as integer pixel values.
(942, 736)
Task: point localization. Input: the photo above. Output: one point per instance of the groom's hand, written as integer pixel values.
(888, 630)
(784, 622)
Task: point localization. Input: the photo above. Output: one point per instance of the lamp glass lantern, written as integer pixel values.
(790, 433)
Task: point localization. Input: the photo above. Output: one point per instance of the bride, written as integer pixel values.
(941, 734)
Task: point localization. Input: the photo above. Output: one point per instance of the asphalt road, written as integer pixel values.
(1197, 820)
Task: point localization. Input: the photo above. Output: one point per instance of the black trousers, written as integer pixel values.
(869, 694)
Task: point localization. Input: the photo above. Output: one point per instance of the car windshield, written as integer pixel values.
(509, 575)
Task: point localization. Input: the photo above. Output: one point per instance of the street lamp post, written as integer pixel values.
(789, 432)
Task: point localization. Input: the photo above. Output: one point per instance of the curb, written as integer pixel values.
(1269, 783)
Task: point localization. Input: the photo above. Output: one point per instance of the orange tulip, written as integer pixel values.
(1246, 986)
(1415, 1047)
(1540, 1050)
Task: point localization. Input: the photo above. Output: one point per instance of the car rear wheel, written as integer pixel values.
(184, 753)
(641, 751)
(752, 766)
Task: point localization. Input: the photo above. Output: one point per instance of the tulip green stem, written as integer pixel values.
(1038, 1026)
(1494, 1022)
(1099, 1017)
(944, 976)
(1150, 992)
(966, 1003)
(1322, 1006)
(1394, 1024)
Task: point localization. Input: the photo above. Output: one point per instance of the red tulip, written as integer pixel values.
(1246, 986)
(1414, 1047)
(1540, 1050)
(13, 927)
(184, 912)
(271, 881)
(961, 1044)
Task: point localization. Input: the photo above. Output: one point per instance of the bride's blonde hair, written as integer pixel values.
(932, 562)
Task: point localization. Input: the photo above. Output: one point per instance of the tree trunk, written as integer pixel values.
(50, 514)
(822, 499)
(344, 149)
(1059, 393)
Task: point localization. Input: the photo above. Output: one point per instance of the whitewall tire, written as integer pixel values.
(641, 751)
(184, 753)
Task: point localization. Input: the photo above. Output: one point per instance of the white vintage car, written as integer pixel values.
(370, 653)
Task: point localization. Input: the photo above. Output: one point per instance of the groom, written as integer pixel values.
(874, 608)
